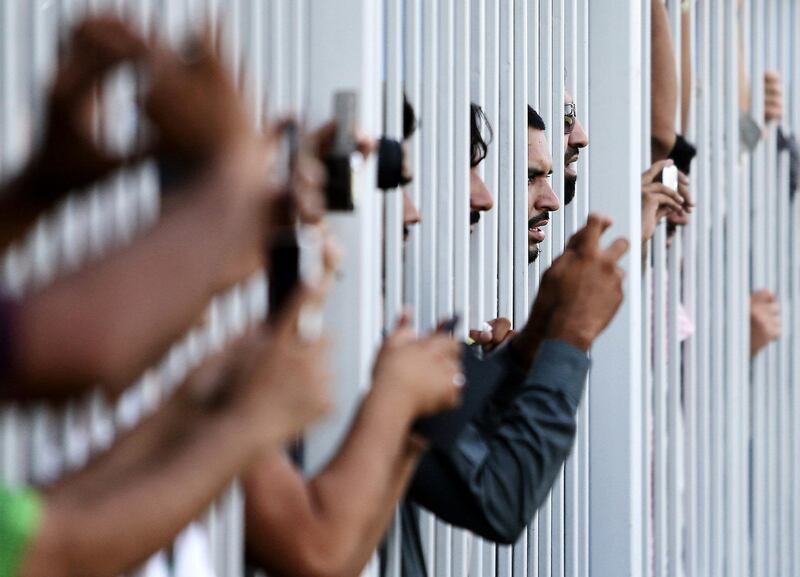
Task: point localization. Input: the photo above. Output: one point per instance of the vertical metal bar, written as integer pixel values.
(660, 388)
(703, 218)
(520, 155)
(504, 136)
(444, 246)
(393, 217)
(492, 161)
(582, 209)
(445, 193)
(557, 229)
(782, 291)
(794, 118)
(616, 459)
(461, 160)
(769, 186)
(572, 498)
(393, 207)
(278, 74)
(545, 33)
(674, 360)
(299, 41)
(534, 100)
(412, 63)
(429, 180)
(9, 417)
(734, 265)
(760, 458)
(478, 96)
(545, 90)
(717, 301)
(651, 355)
(429, 164)
(691, 383)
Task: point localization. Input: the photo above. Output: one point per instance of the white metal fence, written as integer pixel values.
(685, 459)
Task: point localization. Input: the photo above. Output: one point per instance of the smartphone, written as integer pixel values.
(669, 177)
(339, 187)
(284, 248)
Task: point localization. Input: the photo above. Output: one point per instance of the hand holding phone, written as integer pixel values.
(669, 177)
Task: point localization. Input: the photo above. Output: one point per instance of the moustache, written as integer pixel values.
(539, 218)
(571, 155)
(474, 217)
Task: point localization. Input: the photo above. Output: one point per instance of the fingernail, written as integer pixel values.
(459, 380)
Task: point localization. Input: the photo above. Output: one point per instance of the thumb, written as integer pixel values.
(650, 174)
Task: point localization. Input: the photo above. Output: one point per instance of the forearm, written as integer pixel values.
(525, 344)
(496, 476)
(152, 497)
(686, 70)
(375, 465)
(664, 83)
(330, 525)
(111, 320)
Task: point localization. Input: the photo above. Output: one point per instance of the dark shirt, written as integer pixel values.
(501, 468)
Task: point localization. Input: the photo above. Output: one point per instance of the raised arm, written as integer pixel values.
(69, 158)
(664, 83)
(108, 322)
(503, 465)
(687, 74)
(169, 469)
(331, 524)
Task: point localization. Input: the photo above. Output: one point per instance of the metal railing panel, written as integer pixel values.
(616, 457)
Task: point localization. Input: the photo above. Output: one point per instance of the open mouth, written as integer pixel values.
(536, 230)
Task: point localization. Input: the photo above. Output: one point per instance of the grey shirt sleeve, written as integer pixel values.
(503, 464)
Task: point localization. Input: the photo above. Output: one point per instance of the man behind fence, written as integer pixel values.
(501, 467)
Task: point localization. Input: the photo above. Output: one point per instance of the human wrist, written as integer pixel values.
(565, 329)
(239, 230)
(255, 437)
(524, 345)
(390, 392)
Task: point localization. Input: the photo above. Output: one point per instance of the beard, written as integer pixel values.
(570, 184)
(533, 246)
(533, 252)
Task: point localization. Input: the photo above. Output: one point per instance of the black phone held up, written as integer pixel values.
(339, 187)
(284, 248)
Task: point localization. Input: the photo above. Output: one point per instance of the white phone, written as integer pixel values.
(669, 177)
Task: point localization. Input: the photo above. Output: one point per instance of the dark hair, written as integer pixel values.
(478, 145)
(534, 120)
(409, 119)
